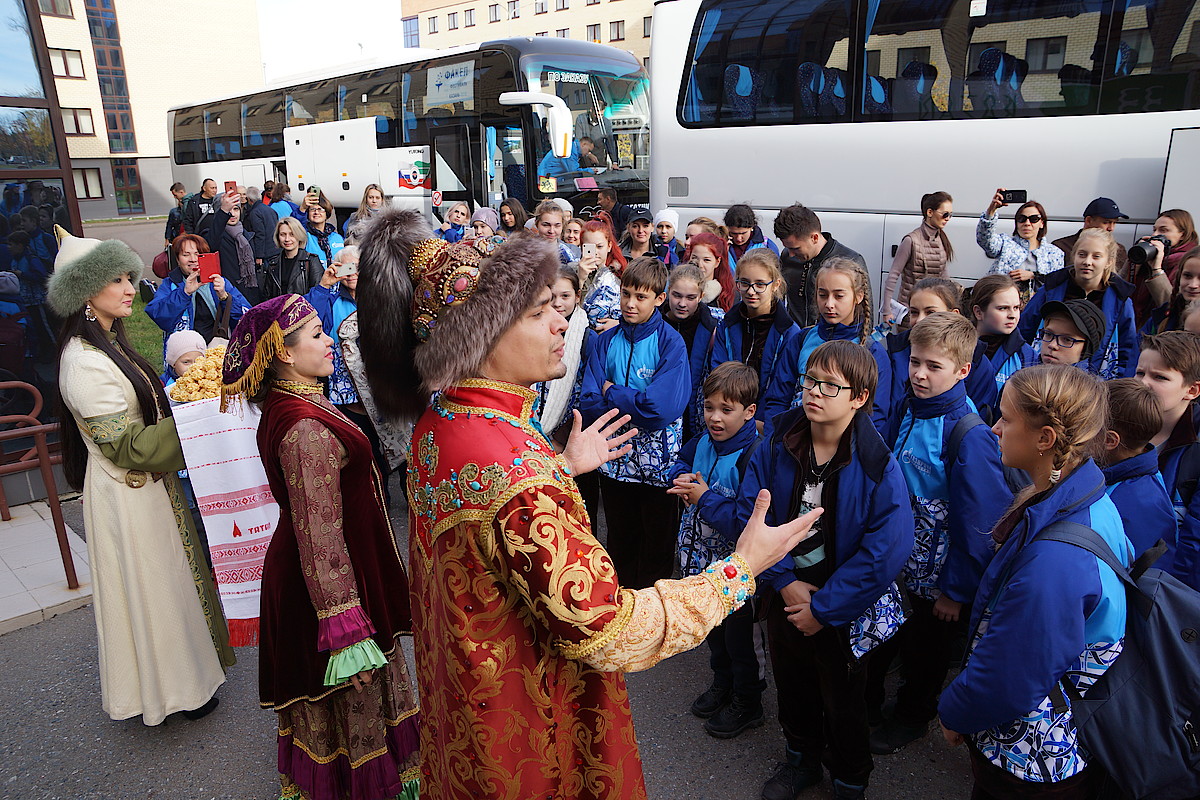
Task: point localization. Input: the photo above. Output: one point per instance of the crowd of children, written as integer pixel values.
(940, 449)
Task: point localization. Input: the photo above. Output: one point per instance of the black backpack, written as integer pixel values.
(1140, 721)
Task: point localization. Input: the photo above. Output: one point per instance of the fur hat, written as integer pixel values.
(85, 266)
(436, 310)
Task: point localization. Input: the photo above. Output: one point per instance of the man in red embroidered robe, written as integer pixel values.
(522, 629)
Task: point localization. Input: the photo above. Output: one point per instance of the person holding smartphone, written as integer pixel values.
(1028, 254)
(231, 240)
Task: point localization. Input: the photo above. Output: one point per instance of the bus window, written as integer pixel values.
(189, 136)
(223, 131)
(1153, 65)
(314, 103)
(371, 94)
(262, 126)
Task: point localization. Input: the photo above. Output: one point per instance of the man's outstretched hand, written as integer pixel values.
(761, 545)
(588, 448)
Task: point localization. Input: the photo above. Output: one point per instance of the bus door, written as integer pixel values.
(458, 169)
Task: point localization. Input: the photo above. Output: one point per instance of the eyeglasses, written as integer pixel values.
(827, 388)
(757, 287)
(1034, 218)
(1060, 339)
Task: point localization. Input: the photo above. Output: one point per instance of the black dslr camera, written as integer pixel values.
(1143, 251)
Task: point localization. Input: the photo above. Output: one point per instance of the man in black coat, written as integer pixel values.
(198, 212)
(806, 249)
(260, 219)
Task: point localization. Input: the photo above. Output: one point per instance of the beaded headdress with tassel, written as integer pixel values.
(256, 340)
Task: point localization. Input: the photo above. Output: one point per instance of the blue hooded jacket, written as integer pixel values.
(1117, 355)
(873, 523)
(698, 365)
(776, 371)
(1013, 354)
(1057, 612)
(648, 366)
(173, 309)
(1137, 490)
(955, 505)
(709, 529)
(757, 239)
(1186, 563)
(785, 393)
(980, 383)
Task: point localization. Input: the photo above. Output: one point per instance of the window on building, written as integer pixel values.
(541, 6)
(78, 122)
(469, 18)
(87, 183)
(412, 32)
(562, 5)
(910, 55)
(646, 26)
(1046, 55)
(66, 63)
(127, 186)
(542, 33)
(975, 51)
(433, 24)
(494, 12)
(514, 9)
(646, 62)
(592, 2)
(55, 8)
(616, 31)
(452, 21)
(563, 33)
(874, 61)
(593, 33)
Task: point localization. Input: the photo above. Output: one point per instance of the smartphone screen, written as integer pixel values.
(210, 266)
(589, 249)
(230, 187)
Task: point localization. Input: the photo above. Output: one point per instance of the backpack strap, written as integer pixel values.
(744, 459)
(1085, 538)
(959, 432)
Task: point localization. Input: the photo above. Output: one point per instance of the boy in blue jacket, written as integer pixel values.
(956, 499)
(1170, 365)
(836, 597)
(1130, 467)
(706, 476)
(640, 367)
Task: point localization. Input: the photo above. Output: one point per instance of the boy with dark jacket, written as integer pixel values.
(836, 597)
(641, 368)
(956, 497)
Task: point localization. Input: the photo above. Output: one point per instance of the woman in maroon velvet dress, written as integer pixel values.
(334, 591)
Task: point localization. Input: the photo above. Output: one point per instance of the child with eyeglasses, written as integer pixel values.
(923, 253)
(1026, 256)
(835, 594)
(758, 330)
(1091, 278)
(1070, 333)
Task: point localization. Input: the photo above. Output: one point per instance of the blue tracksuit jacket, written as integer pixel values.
(955, 505)
(873, 523)
(1137, 490)
(777, 371)
(1117, 356)
(648, 365)
(1057, 612)
(1014, 354)
(709, 529)
(699, 357)
(795, 359)
(980, 383)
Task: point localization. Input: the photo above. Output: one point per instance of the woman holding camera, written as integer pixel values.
(1028, 255)
(1155, 260)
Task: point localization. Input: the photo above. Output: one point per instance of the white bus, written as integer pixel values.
(858, 107)
(470, 123)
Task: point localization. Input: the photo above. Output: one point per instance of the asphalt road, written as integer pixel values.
(57, 744)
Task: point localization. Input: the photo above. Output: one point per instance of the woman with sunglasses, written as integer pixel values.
(923, 253)
(1026, 256)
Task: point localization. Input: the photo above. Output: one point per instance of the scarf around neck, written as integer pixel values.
(245, 255)
(558, 391)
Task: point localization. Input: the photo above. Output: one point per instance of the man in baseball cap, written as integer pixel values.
(1101, 213)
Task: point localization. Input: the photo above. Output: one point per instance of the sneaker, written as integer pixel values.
(790, 780)
(893, 735)
(848, 791)
(711, 701)
(734, 717)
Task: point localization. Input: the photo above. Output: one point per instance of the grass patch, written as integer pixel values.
(144, 335)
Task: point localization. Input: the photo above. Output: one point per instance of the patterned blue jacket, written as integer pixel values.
(955, 505)
(1014, 354)
(776, 372)
(1010, 252)
(1057, 612)
(648, 367)
(873, 527)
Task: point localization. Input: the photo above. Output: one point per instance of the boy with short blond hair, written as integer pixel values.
(640, 367)
(950, 460)
(706, 477)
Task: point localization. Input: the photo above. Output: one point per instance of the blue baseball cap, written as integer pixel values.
(1104, 208)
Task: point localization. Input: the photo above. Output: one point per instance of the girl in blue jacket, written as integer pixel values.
(996, 309)
(1045, 611)
(844, 302)
(696, 322)
(1091, 277)
(758, 330)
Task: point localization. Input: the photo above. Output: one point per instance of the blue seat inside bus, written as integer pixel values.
(912, 91)
(995, 86)
(822, 91)
(743, 87)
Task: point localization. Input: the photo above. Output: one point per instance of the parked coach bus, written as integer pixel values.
(473, 123)
(858, 107)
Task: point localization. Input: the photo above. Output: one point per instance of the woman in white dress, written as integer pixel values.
(163, 641)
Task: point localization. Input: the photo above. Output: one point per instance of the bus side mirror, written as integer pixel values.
(558, 115)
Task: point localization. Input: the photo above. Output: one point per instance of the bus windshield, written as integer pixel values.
(609, 99)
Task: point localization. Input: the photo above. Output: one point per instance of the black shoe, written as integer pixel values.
(736, 716)
(893, 735)
(874, 717)
(790, 780)
(848, 791)
(204, 710)
(711, 701)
